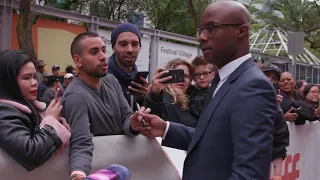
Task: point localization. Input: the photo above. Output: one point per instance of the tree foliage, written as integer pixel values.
(179, 16)
(110, 9)
(297, 15)
(183, 16)
(24, 28)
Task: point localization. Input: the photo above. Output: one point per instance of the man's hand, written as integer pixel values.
(155, 126)
(290, 116)
(78, 175)
(136, 121)
(63, 121)
(141, 90)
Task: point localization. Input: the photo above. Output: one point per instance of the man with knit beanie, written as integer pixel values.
(126, 45)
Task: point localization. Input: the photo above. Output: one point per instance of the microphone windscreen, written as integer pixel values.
(112, 172)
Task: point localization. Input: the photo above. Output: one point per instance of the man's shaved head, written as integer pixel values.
(224, 34)
(230, 11)
(76, 46)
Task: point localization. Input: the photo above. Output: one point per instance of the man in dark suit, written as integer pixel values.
(233, 138)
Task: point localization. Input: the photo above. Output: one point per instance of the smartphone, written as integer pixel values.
(137, 79)
(143, 74)
(58, 94)
(177, 76)
(296, 110)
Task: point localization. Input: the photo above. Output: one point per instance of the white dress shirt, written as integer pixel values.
(227, 69)
(224, 74)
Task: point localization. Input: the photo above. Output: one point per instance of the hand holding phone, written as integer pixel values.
(291, 114)
(54, 108)
(139, 86)
(176, 74)
(58, 94)
(143, 74)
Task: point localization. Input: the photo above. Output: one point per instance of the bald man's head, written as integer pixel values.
(224, 32)
(231, 11)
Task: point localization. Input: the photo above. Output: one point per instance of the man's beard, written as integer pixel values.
(94, 73)
(121, 60)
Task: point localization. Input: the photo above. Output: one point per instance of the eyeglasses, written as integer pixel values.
(209, 29)
(204, 74)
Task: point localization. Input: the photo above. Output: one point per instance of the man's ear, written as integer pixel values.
(77, 60)
(114, 49)
(243, 31)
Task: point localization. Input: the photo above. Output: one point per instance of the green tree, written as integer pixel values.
(24, 28)
(179, 16)
(297, 15)
(117, 10)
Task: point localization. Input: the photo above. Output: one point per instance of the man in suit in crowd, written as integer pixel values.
(233, 138)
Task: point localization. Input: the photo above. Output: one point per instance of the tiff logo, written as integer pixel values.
(294, 173)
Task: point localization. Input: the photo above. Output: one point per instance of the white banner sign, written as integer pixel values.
(175, 155)
(168, 51)
(302, 162)
(143, 58)
(143, 156)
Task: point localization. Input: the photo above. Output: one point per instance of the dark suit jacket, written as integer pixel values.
(233, 138)
(162, 106)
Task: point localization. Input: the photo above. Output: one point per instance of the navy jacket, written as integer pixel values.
(234, 135)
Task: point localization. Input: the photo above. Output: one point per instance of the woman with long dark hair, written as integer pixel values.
(29, 132)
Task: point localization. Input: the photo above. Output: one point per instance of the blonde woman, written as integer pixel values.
(170, 101)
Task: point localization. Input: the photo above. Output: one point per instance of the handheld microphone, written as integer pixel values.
(112, 172)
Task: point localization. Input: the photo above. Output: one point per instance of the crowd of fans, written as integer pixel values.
(99, 102)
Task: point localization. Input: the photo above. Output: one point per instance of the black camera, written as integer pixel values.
(296, 108)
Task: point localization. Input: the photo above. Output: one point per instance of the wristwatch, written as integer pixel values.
(46, 128)
(52, 133)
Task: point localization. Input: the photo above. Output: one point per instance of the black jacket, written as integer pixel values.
(306, 110)
(196, 100)
(22, 140)
(280, 136)
(162, 105)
